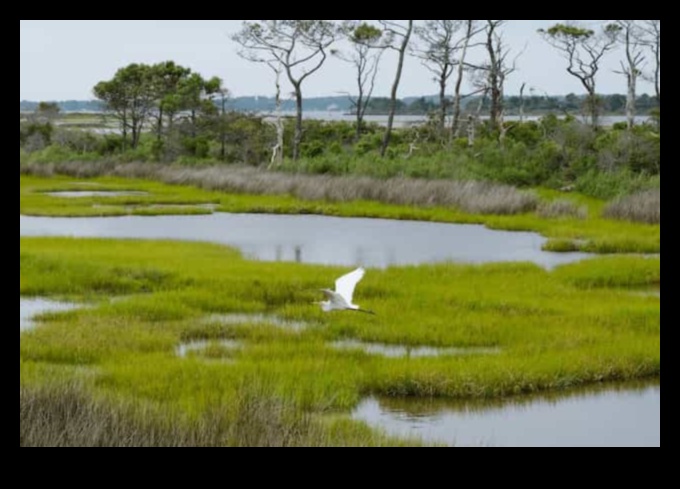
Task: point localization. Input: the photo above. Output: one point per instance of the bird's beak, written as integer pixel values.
(367, 311)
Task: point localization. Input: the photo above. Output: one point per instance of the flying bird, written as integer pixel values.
(340, 299)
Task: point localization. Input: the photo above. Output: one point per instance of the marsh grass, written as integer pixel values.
(639, 207)
(614, 271)
(575, 325)
(68, 416)
(469, 196)
(561, 245)
(556, 329)
(562, 208)
(593, 233)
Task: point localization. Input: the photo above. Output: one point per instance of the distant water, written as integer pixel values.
(410, 120)
(400, 121)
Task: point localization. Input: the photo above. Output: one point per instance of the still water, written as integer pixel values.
(74, 194)
(318, 239)
(29, 308)
(416, 120)
(608, 415)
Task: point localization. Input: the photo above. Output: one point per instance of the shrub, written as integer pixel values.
(640, 207)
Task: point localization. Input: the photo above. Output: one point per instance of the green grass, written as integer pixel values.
(572, 326)
(588, 231)
(68, 415)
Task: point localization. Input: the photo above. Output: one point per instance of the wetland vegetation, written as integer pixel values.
(194, 342)
(115, 361)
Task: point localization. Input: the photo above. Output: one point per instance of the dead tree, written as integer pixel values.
(399, 36)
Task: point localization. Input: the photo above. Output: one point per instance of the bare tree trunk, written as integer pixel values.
(471, 130)
(495, 106)
(592, 107)
(459, 81)
(657, 77)
(135, 133)
(501, 126)
(634, 59)
(395, 86)
(124, 123)
(653, 29)
(297, 139)
(501, 95)
(365, 98)
(223, 135)
(494, 84)
(630, 98)
(360, 115)
(442, 104)
(472, 121)
(279, 133)
(159, 126)
(277, 150)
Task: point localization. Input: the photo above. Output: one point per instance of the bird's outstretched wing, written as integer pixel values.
(345, 285)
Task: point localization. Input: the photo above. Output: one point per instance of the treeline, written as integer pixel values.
(531, 105)
(65, 105)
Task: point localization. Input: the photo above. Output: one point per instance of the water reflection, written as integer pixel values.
(405, 351)
(318, 239)
(255, 318)
(626, 414)
(210, 348)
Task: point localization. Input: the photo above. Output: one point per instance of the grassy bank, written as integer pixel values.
(550, 330)
(572, 221)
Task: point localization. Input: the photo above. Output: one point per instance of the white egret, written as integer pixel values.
(340, 299)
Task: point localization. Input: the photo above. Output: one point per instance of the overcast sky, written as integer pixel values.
(64, 59)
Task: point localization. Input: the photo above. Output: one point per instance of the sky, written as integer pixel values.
(64, 59)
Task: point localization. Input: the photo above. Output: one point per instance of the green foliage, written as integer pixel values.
(553, 152)
(610, 184)
(140, 95)
(365, 34)
(568, 31)
(197, 146)
(35, 135)
(46, 111)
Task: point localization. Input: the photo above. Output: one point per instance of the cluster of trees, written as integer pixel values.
(165, 96)
(584, 50)
(298, 49)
